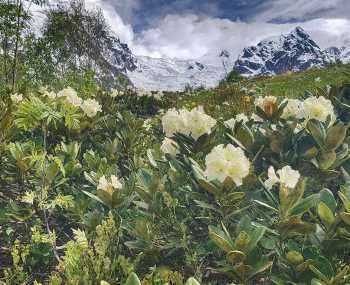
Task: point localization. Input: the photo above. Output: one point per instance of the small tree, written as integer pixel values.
(14, 21)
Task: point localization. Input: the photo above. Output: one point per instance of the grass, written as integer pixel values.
(229, 99)
(294, 85)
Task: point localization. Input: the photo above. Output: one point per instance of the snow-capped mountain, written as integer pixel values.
(338, 55)
(174, 74)
(115, 55)
(295, 51)
(102, 50)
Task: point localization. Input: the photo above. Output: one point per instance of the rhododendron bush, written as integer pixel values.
(97, 191)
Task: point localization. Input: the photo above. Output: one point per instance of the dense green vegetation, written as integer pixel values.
(101, 183)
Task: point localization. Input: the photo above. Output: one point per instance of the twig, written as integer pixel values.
(54, 246)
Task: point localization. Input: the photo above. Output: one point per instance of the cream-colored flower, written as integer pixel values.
(272, 178)
(16, 98)
(199, 123)
(174, 122)
(158, 96)
(90, 107)
(227, 161)
(115, 182)
(169, 146)
(318, 108)
(285, 176)
(195, 123)
(109, 185)
(268, 104)
(114, 93)
(71, 96)
(294, 109)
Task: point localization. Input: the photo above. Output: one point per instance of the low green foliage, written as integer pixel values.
(123, 186)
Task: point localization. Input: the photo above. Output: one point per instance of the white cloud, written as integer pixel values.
(188, 36)
(118, 26)
(296, 9)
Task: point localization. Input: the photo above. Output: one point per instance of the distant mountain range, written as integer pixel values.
(295, 51)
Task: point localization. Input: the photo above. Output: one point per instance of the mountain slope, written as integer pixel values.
(338, 55)
(174, 74)
(295, 51)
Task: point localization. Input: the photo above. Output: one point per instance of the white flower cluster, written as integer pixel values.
(267, 103)
(195, 122)
(16, 98)
(116, 93)
(318, 108)
(287, 177)
(46, 93)
(109, 185)
(227, 162)
(293, 109)
(90, 107)
(143, 93)
(70, 96)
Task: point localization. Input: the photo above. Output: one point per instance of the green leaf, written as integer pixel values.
(205, 205)
(235, 256)
(94, 197)
(345, 201)
(346, 218)
(326, 159)
(317, 282)
(255, 238)
(242, 240)
(336, 135)
(266, 205)
(261, 266)
(317, 131)
(305, 204)
(294, 257)
(326, 196)
(325, 214)
(244, 135)
(151, 158)
(220, 238)
(133, 280)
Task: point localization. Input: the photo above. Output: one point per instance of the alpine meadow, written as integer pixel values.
(124, 164)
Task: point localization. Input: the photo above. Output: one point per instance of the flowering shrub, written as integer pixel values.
(194, 123)
(94, 194)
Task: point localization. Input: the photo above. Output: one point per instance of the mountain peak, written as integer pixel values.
(300, 30)
(294, 51)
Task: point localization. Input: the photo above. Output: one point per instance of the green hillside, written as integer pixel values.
(237, 97)
(105, 184)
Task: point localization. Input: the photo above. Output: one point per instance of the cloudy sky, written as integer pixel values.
(193, 28)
